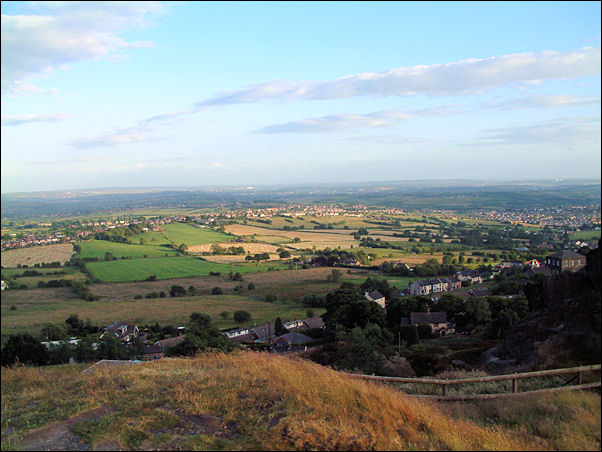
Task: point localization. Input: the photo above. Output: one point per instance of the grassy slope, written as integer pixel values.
(32, 315)
(166, 268)
(98, 248)
(255, 401)
(192, 235)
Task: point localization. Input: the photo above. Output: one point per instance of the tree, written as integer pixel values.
(111, 348)
(183, 247)
(52, 332)
(24, 348)
(74, 325)
(279, 329)
(217, 291)
(224, 314)
(251, 286)
(109, 256)
(177, 291)
(200, 320)
(285, 254)
(242, 316)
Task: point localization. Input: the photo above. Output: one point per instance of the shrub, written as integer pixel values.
(271, 298)
(251, 286)
(242, 316)
(217, 291)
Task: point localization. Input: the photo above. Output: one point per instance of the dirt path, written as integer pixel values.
(57, 436)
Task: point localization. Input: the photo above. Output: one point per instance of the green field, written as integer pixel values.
(72, 274)
(33, 314)
(98, 248)
(166, 268)
(400, 282)
(192, 235)
(585, 235)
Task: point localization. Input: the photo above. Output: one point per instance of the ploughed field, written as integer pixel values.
(46, 254)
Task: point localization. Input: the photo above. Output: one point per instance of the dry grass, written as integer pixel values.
(259, 401)
(241, 229)
(37, 254)
(249, 247)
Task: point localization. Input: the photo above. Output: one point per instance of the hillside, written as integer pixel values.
(261, 401)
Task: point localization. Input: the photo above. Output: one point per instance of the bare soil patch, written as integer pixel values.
(57, 435)
(37, 254)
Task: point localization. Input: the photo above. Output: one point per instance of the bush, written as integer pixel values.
(242, 316)
(271, 298)
(177, 291)
(137, 297)
(251, 286)
(217, 291)
(24, 348)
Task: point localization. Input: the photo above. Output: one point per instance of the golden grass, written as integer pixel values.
(276, 403)
(37, 254)
(249, 247)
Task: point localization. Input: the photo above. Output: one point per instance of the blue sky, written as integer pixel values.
(117, 94)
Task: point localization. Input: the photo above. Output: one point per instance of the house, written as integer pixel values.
(158, 349)
(242, 335)
(472, 276)
(420, 288)
(533, 263)
(566, 260)
(453, 283)
(479, 292)
(437, 321)
(123, 330)
(292, 339)
(377, 297)
(294, 325)
(437, 285)
(314, 322)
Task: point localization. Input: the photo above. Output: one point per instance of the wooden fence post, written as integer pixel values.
(514, 385)
(444, 389)
(579, 377)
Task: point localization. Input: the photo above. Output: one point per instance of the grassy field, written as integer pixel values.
(31, 315)
(192, 235)
(167, 268)
(592, 236)
(98, 248)
(37, 254)
(259, 401)
(70, 273)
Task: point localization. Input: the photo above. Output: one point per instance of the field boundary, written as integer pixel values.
(444, 383)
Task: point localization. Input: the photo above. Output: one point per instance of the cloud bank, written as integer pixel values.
(451, 79)
(63, 32)
(339, 122)
(25, 119)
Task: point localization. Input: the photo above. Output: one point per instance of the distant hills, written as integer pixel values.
(453, 195)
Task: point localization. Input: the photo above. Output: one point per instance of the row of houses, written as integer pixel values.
(267, 333)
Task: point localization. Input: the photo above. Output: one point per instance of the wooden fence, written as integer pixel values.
(444, 383)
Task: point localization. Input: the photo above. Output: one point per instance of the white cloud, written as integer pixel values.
(338, 122)
(25, 119)
(114, 138)
(564, 132)
(63, 32)
(547, 101)
(449, 79)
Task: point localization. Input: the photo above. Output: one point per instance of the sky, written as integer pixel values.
(118, 94)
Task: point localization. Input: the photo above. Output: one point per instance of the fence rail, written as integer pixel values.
(444, 383)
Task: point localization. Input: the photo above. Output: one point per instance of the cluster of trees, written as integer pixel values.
(258, 257)
(329, 257)
(201, 336)
(365, 333)
(122, 234)
(232, 250)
